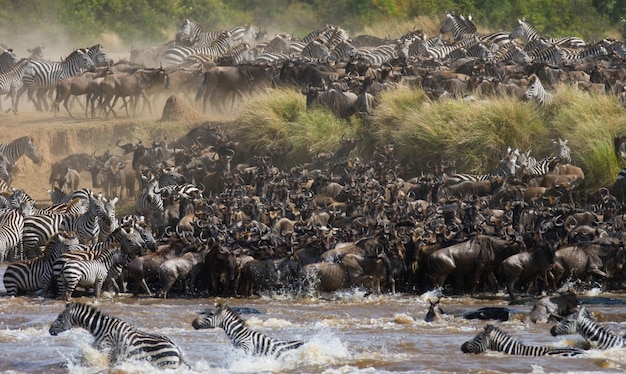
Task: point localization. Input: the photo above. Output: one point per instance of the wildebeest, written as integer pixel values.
(135, 85)
(552, 306)
(480, 254)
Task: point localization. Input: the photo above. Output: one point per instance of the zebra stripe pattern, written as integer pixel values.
(35, 274)
(492, 338)
(11, 231)
(124, 341)
(90, 273)
(537, 92)
(11, 81)
(23, 146)
(563, 153)
(42, 76)
(580, 322)
(87, 226)
(252, 342)
(528, 33)
(462, 27)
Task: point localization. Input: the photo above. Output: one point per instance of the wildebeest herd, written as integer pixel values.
(204, 224)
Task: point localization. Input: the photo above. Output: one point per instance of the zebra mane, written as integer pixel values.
(219, 308)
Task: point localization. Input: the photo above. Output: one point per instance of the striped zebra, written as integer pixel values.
(11, 81)
(515, 54)
(42, 76)
(90, 273)
(462, 27)
(131, 239)
(506, 168)
(278, 44)
(315, 50)
(150, 203)
(446, 52)
(11, 232)
(192, 34)
(580, 322)
(119, 339)
(252, 342)
(535, 91)
(551, 54)
(176, 55)
(528, 33)
(578, 56)
(22, 146)
(492, 338)
(5, 175)
(98, 56)
(544, 166)
(343, 51)
(87, 226)
(563, 153)
(36, 274)
(378, 55)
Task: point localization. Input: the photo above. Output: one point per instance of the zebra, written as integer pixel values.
(544, 166)
(343, 51)
(514, 54)
(563, 153)
(35, 274)
(87, 226)
(98, 56)
(176, 55)
(552, 54)
(580, 322)
(575, 56)
(42, 76)
(122, 340)
(462, 27)
(537, 92)
(315, 50)
(492, 338)
(528, 33)
(90, 273)
(506, 168)
(378, 55)
(11, 232)
(5, 175)
(130, 237)
(252, 342)
(22, 146)
(150, 203)
(192, 34)
(11, 81)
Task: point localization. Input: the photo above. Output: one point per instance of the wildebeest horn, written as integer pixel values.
(118, 142)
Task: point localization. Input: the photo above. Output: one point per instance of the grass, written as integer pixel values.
(475, 134)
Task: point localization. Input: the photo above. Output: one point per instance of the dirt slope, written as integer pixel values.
(58, 137)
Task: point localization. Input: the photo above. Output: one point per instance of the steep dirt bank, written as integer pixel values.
(59, 137)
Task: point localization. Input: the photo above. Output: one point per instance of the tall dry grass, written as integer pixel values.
(473, 133)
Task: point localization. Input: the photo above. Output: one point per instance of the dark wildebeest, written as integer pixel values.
(552, 306)
(135, 85)
(223, 82)
(481, 254)
(76, 85)
(77, 161)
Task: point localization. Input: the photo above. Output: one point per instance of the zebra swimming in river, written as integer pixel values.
(241, 336)
(121, 340)
(580, 322)
(492, 338)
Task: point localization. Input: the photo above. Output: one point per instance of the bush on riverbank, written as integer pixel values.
(475, 134)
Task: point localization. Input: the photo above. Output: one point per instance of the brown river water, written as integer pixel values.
(345, 332)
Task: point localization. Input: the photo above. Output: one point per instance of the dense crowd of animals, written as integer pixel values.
(208, 223)
(214, 70)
